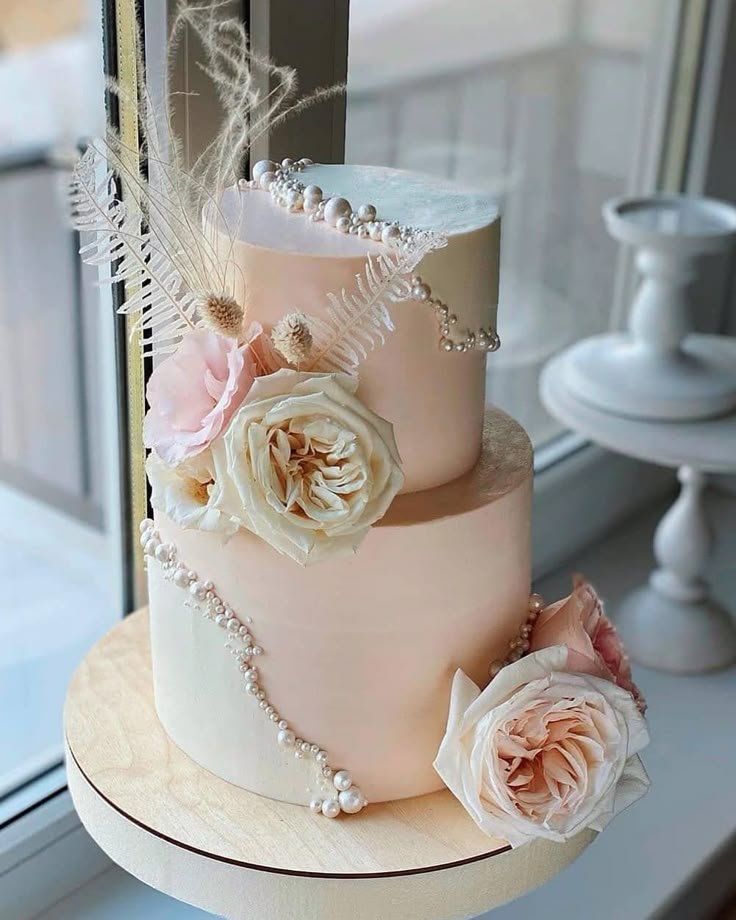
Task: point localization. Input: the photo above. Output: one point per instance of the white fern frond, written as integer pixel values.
(113, 236)
(357, 321)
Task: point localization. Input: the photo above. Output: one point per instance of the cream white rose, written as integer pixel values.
(184, 493)
(306, 466)
(542, 752)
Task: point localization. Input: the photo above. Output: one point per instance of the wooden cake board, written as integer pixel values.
(185, 832)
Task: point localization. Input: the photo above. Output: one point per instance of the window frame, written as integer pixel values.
(573, 485)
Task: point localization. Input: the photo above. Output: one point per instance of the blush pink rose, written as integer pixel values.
(594, 646)
(194, 393)
(543, 751)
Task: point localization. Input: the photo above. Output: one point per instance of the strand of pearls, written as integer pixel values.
(338, 794)
(482, 340)
(519, 645)
(287, 191)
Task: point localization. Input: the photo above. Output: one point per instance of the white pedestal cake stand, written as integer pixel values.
(660, 368)
(187, 833)
(672, 623)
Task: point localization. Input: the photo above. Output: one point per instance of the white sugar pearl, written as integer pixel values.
(294, 200)
(321, 757)
(351, 801)
(313, 193)
(163, 552)
(283, 724)
(342, 780)
(286, 737)
(181, 578)
(343, 224)
(367, 212)
(305, 161)
(287, 163)
(336, 208)
(266, 180)
(151, 546)
(421, 291)
(377, 232)
(315, 806)
(330, 808)
(250, 674)
(390, 234)
(146, 524)
(536, 602)
(252, 687)
(198, 590)
(261, 167)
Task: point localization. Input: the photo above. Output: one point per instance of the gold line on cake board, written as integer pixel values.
(397, 873)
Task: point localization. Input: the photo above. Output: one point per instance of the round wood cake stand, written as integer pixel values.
(184, 831)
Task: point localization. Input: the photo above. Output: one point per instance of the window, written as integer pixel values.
(553, 106)
(57, 389)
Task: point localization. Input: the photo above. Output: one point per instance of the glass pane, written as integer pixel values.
(544, 103)
(55, 373)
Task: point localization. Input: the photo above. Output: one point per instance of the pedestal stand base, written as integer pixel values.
(188, 833)
(618, 375)
(679, 636)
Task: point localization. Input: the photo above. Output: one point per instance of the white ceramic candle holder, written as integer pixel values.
(660, 369)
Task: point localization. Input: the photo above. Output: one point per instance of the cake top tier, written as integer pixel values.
(297, 237)
(408, 199)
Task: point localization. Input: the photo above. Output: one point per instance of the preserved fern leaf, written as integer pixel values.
(357, 321)
(112, 236)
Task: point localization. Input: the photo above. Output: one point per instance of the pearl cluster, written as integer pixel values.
(483, 340)
(289, 192)
(519, 646)
(338, 792)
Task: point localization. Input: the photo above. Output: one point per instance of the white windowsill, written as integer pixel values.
(649, 853)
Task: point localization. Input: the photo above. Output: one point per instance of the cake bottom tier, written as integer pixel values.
(358, 654)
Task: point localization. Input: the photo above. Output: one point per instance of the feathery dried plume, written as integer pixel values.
(171, 259)
(222, 314)
(292, 338)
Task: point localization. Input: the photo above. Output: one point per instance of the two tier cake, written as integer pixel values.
(339, 555)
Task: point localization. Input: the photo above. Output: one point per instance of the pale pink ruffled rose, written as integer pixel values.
(594, 646)
(542, 752)
(306, 466)
(194, 393)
